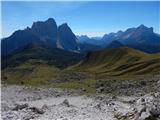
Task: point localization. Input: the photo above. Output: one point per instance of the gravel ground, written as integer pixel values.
(26, 103)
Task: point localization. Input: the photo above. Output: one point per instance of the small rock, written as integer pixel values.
(45, 107)
(143, 83)
(37, 110)
(140, 101)
(66, 103)
(144, 115)
(83, 89)
(5, 107)
(98, 106)
(20, 107)
(28, 117)
(113, 97)
(64, 119)
(155, 111)
(101, 84)
(100, 89)
(156, 94)
(141, 108)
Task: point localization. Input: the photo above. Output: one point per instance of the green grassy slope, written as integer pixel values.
(36, 65)
(120, 61)
(30, 73)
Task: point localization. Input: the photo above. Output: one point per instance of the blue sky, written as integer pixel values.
(90, 18)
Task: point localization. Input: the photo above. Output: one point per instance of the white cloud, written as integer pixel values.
(91, 33)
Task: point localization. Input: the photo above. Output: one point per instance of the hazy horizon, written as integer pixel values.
(84, 18)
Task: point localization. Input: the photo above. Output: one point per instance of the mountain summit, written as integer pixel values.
(47, 28)
(66, 38)
(46, 32)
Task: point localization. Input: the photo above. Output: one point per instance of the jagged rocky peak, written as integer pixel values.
(66, 38)
(120, 32)
(65, 29)
(49, 21)
(130, 30)
(143, 28)
(64, 26)
(47, 28)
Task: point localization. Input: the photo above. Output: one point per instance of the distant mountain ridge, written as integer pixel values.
(141, 38)
(53, 36)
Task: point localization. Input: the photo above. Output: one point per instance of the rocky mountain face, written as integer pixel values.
(141, 34)
(47, 28)
(108, 38)
(17, 41)
(66, 39)
(45, 32)
(141, 38)
(144, 39)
